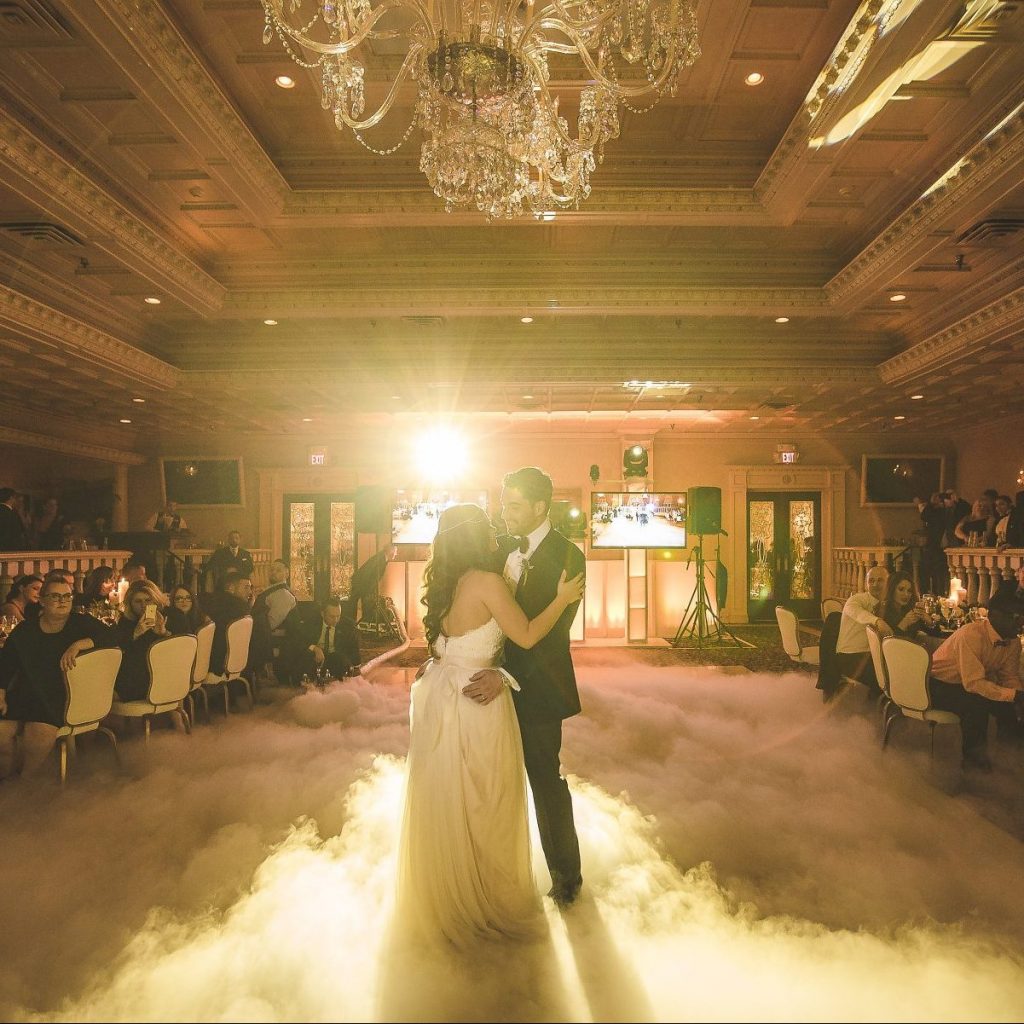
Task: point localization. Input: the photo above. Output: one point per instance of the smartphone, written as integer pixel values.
(149, 615)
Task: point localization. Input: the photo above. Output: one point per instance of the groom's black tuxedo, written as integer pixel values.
(548, 694)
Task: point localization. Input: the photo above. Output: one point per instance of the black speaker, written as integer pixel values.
(373, 509)
(704, 510)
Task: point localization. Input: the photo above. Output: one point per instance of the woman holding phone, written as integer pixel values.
(141, 625)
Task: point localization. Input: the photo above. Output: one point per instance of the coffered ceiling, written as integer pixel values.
(147, 152)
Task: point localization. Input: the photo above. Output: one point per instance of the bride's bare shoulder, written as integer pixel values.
(480, 580)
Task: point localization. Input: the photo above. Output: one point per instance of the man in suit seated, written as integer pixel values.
(224, 606)
(321, 641)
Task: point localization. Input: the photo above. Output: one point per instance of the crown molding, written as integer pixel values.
(995, 163)
(958, 342)
(159, 47)
(28, 439)
(57, 186)
(55, 329)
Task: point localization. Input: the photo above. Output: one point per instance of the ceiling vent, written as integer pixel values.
(423, 321)
(21, 20)
(42, 231)
(991, 231)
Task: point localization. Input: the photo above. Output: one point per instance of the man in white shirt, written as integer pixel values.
(167, 519)
(853, 657)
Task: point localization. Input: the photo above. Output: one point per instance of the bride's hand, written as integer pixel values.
(571, 591)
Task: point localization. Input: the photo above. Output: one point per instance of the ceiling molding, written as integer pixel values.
(59, 330)
(148, 29)
(960, 341)
(995, 163)
(56, 185)
(28, 439)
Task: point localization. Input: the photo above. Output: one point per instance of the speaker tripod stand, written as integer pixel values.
(701, 627)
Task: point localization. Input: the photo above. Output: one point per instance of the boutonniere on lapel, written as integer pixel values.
(527, 566)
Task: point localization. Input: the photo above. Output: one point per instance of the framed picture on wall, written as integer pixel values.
(203, 482)
(893, 481)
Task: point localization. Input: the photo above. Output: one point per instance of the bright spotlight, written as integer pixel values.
(441, 455)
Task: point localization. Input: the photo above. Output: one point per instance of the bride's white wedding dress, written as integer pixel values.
(464, 861)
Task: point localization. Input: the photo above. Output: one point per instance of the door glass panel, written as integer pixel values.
(343, 546)
(301, 548)
(802, 529)
(762, 555)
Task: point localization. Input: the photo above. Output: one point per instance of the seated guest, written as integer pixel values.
(32, 663)
(1003, 506)
(140, 626)
(269, 611)
(224, 606)
(13, 536)
(899, 606)
(861, 610)
(976, 672)
(323, 641)
(979, 524)
(231, 557)
(24, 593)
(96, 593)
(134, 569)
(167, 519)
(184, 615)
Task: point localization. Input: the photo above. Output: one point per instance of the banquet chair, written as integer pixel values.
(239, 634)
(789, 629)
(908, 669)
(170, 679)
(881, 674)
(89, 693)
(201, 669)
(831, 604)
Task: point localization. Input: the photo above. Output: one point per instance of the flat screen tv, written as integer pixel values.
(633, 520)
(203, 482)
(415, 514)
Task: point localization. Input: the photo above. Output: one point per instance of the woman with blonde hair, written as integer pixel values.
(140, 626)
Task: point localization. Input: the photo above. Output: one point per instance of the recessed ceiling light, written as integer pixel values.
(270, 323)
(782, 319)
(396, 397)
(899, 417)
(527, 396)
(898, 297)
(526, 319)
(914, 398)
(124, 420)
(152, 300)
(138, 401)
(755, 417)
(307, 419)
(754, 78)
(548, 215)
(285, 82)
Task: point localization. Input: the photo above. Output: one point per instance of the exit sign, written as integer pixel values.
(318, 456)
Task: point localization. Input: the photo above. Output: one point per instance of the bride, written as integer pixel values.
(464, 860)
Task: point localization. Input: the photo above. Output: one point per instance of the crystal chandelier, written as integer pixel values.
(492, 134)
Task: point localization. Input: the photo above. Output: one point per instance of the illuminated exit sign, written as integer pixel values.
(318, 456)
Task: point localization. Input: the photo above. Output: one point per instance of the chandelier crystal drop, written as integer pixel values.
(489, 76)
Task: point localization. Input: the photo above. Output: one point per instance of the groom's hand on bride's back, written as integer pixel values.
(484, 686)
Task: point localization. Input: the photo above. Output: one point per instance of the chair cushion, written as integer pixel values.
(140, 708)
(932, 715)
(77, 730)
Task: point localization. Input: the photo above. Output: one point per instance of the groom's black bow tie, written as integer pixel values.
(523, 543)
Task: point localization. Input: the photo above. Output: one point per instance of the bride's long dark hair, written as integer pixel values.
(463, 542)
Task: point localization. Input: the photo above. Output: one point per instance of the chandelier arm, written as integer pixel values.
(377, 116)
(549, 102)
(544, 19)
(579, 47)
(366, 32)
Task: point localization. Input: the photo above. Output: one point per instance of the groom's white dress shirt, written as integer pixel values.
(517, 559)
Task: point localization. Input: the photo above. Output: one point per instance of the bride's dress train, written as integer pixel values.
(464, 868)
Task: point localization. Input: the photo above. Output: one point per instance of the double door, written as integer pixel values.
(783, 554)
(320, 544)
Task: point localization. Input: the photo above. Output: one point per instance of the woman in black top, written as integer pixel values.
(22, 597)
(184, 615)
(141, 625)
(96, 591)
(899, 606)
(32, 667)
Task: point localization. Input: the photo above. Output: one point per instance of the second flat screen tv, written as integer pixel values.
(415, 515)
(632, 520)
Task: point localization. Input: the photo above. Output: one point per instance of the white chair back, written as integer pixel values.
(790, 632)
(170, 668)
(829, 605)
(875, 647)
(907, 667)
(204, 647)
(239, 635)
(90, 686)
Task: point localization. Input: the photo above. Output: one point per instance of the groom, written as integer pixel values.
(532, 561)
